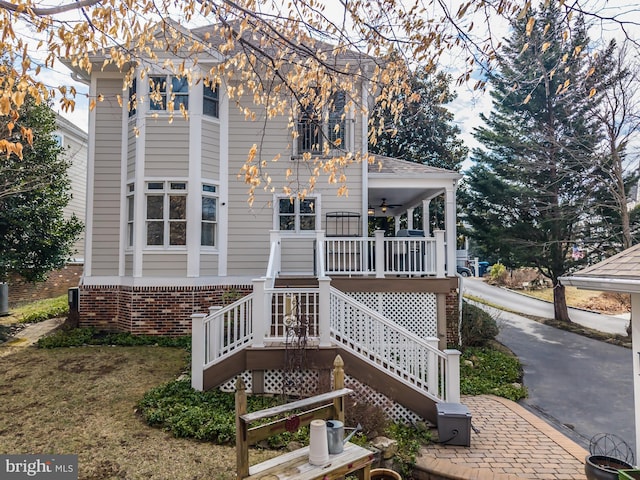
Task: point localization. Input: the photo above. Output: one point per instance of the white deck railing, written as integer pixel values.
(219, 334)
(325, 316)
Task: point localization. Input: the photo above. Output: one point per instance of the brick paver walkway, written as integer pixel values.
(512, 443)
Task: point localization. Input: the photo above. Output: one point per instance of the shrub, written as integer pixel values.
(490, 371)
(371, 417)
(478, 327)
(409, 439)
(498, 273)
(78, 337)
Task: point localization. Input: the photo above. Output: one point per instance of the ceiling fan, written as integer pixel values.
(384, 205)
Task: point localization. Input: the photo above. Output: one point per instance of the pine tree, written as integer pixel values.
(529, 189)
(35, 238)
(424, 131)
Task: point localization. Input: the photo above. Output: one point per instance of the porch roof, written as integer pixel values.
(406, 184)
(620, 273)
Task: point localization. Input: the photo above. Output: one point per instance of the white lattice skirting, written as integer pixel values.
(273, 385)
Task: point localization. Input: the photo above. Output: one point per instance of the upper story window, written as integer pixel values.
(133, 98)
(211, 100)
(166, 213)
(319, 129)
(209, 222)
(297, 215)
(168, 92)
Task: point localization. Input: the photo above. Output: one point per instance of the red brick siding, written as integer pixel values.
(453, 318)
(57, 283)
(151, 310)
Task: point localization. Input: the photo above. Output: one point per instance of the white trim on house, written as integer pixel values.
(139, 219)
(223, 195)
(124, 181)
(194, 188)
(364, 125)
(129, 281)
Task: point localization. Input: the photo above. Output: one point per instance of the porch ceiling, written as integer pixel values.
(405, 184)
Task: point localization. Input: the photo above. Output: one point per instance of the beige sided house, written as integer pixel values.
(74, 141)
(173, 247)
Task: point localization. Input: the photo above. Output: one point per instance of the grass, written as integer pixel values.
(38, 311)
(93, 401)
(84, 400)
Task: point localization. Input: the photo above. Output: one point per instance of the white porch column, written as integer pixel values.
(441, 253)
(452, 380)
(379, 236)
(450, 228)
(197, 351)
(259, 316)
(396, 223)
(426, 226)
(410, 218)
(324, 311)
(635, 347)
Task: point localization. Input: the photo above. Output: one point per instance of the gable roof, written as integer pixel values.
(620, 273)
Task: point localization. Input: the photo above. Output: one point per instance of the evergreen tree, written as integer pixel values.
(423, 131)
(529, 189)
(35, 238)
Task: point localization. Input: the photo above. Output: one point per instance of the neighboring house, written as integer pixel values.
(74, 142)
(172, 241)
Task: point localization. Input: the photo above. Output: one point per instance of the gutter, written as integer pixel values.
(603, 284)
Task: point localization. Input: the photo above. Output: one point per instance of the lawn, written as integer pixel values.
(82, 401)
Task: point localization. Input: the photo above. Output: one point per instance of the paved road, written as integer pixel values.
(531, 306)
(581, 386)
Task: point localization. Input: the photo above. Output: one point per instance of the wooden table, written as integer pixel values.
(295, 465)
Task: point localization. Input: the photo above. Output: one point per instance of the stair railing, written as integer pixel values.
(393, 349)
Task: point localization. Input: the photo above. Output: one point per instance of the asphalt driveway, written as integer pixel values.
(581, 386)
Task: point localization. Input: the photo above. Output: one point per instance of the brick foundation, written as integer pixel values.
(57, 283)
(151, 310)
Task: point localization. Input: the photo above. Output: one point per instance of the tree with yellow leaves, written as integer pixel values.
(265, 50)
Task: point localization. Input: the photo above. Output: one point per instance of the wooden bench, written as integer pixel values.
(295, 465)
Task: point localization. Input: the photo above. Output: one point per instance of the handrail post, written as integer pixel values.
(320, 261)
(198, 346)
(441, 254)
(324, 311)
(452, 380)
(432, 366)
(259, 312)
(379, 236)
(274, 236)
(338, 383)
(242, 443)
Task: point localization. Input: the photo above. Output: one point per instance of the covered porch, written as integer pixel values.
(418, 198)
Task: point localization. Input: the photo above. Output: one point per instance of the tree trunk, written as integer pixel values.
(560, 310)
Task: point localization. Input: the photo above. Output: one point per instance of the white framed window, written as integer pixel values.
(209, 219)
(297, 215)
(318, 128)
(166, 214)
(211, 100)
(133, 98)
(168, 92)
(130, 213)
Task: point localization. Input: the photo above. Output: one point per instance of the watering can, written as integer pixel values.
(335, 436)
